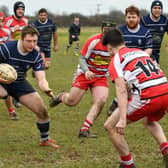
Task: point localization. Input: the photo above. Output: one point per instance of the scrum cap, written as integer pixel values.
(17, 5)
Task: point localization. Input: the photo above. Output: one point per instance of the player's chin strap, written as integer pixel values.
(49, 93)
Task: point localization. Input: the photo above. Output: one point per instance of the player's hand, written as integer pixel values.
(89, 75)
(49, 93)
(73, 36)
(55, 48)
(120, 126)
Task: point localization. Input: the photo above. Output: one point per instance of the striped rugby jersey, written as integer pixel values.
(157, 29)
(46, 31)
(97, 56)
(141, 73)
(22, 62)
(14, 24)
(140, 38)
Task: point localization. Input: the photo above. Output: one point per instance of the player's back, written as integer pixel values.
(142, 74)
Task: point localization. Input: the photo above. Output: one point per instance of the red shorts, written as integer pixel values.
(154, 109)
(83, 83)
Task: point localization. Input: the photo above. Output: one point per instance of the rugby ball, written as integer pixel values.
(7, 73)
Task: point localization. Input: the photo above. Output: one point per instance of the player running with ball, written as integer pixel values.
(22, 56)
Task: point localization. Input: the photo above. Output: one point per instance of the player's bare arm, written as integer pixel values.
(122, 96)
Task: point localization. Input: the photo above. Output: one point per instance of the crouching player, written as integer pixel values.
(22, 56)
(147, 100)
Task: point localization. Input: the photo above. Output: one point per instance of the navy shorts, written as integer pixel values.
(19, 88)
(73, 39)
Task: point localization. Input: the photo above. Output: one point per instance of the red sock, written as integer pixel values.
(86, 125)
(127, 161)
(164, 148)
(11, 110)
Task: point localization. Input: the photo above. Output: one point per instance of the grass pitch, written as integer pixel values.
(19, 139)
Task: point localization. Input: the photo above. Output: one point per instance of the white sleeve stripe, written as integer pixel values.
(90, 47)
(2, 54)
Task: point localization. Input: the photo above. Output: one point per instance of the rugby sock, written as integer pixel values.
(86, 125)
(127, 161)
(164, 148)
(44, 129)
(11, 110)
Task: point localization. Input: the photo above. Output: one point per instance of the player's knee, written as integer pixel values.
(71, 101)
(109, 128)
(100, 101)
(42, 113)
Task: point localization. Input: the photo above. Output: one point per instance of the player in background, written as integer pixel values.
(47, 29)
(157, 23)
(91, 74)
(135, 36)
(22, 55)
(142, 93)
(16, 23)
(74, 33)
(5, 35)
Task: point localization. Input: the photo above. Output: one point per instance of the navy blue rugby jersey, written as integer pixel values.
(46, 31)
(74, 29)
(22, 62)
(157, 29)
(140, 38)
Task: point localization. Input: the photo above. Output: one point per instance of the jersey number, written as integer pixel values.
(151, 67)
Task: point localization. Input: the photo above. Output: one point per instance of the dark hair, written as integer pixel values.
(132, 9)
(29, 29)
(113, 37)
(42, 10)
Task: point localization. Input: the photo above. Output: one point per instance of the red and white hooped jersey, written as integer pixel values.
(141, 73)
(5, 34)
(97, 56)
(16, 25)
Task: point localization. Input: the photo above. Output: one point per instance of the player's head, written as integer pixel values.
(19, 9)
(29, 37)
(107, 25)
(156, 8)
(132, 16)
(2, 19)
(113, 39)
(76, 20)
(43, 15)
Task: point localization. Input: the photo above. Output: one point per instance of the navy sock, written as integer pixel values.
(44, 129)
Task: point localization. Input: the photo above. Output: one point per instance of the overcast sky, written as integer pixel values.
(85, 7)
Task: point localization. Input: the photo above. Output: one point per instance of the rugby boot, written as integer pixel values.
(112, 107)
(86, 134)
(55, 100)
(49, 142)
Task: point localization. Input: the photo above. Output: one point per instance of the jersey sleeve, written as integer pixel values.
(148, 41)
(4, 53)
(38, 65)
(54, 27)
(115, 68)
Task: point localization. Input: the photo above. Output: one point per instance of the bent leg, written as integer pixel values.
(118, 140)
(73, 97)
(100, 95)
(34, 102)
(155, 129)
